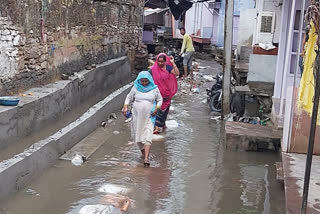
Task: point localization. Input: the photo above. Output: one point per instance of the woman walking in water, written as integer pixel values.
(146, 99)
(164, 72)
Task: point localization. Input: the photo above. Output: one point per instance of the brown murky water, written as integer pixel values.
(190, 173)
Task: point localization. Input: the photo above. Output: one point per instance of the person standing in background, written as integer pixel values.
(188, 50)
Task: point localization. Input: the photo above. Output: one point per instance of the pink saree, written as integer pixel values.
(166, 81)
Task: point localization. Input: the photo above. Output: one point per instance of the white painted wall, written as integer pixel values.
(271, 6)
(246, 27)
(199, 18)
(9, 40)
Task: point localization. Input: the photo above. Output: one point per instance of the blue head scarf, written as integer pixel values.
(151, 86)
(140, 87)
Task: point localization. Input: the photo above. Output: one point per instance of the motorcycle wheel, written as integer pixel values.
(215, 103)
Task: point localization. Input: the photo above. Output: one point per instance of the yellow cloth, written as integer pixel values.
(306, 89)
(187, 43)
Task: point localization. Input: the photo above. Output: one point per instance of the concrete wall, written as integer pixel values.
(41, 39)
(52, 102)
(262, 68)
(246, 27)
(18, 171)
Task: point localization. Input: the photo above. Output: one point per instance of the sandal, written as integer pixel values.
(146, 163)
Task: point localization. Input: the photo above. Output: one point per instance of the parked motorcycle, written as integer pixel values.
(215, 96)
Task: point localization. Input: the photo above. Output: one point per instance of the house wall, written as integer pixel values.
(238, 5)
(272, 6)
(199, 18)
(246, 27)
(41, 39)
(287, 57)
(262, 68)
(215, 23)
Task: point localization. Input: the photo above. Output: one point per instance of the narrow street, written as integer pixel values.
(190, 170)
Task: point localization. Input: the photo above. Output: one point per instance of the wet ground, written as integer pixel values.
(190, 172)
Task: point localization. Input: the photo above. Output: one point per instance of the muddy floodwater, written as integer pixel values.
(190, 173)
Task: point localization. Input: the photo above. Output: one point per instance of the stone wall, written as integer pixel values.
(40, 39)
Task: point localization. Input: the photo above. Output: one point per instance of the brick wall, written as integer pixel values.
(40, 39)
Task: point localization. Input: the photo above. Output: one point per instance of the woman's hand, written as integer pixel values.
(154, 113)
(124, 110)
(172, 60)
(175, 69)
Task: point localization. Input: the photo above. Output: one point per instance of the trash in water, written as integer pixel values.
(204, 101)
(184, 113)
(77, 160)
(113, 189)
(32, 192)
(116, 132)
(99, 209)
(230, 117)
(130, 142)
(208, 78)
(171, 124)
(157, 137)
(172, 109)
(113, 116)
(79, 76)
(216, 118)
(128, 120)
(251, 120)
(196, 90)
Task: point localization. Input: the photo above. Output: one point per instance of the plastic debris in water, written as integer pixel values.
(128, 120)
(157, 137)
(99, 209)
(216, 118)
(32, 192)
(80, 77)
(77, 160)
(171, 124)
(113, 116)
(196, 90)
(208, 78)
(113, 189)
(116, 132)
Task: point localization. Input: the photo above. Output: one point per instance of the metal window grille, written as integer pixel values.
(266, 24)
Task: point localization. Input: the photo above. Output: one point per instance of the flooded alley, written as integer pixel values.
(191, 172)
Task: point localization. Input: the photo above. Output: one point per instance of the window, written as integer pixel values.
(265, 27)
(266, 24)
